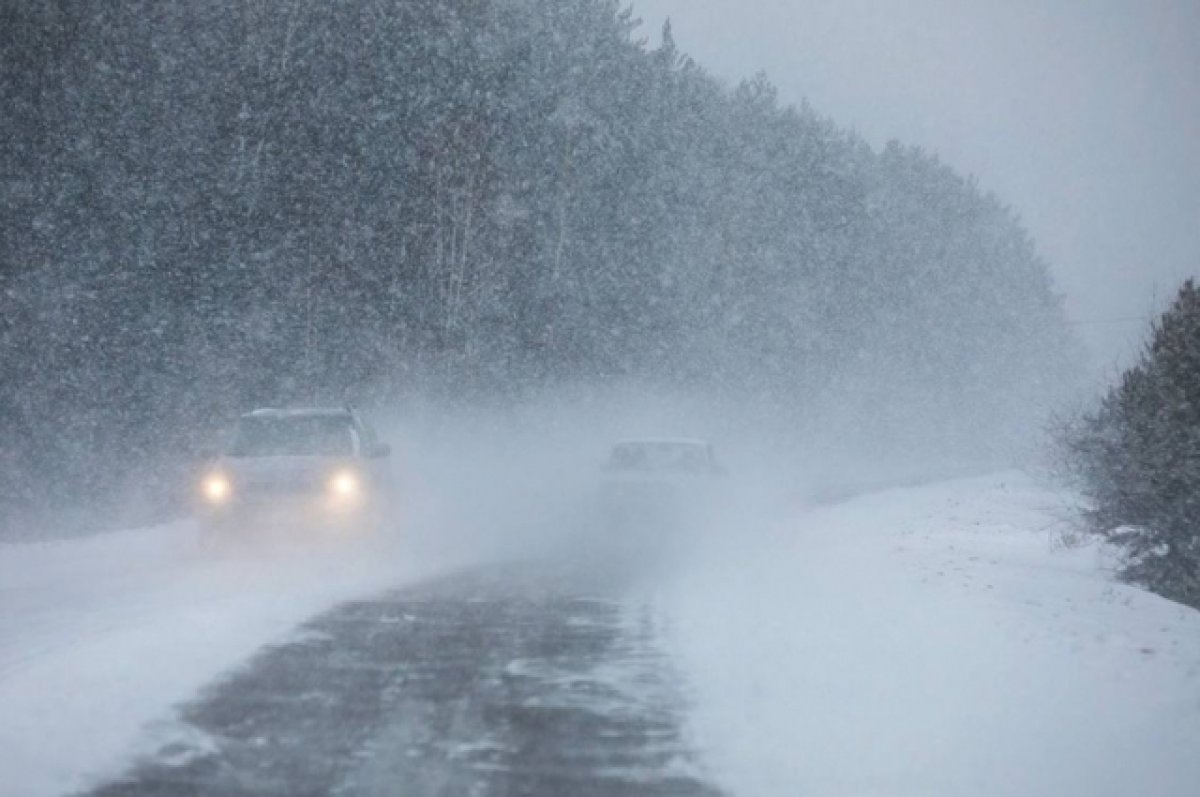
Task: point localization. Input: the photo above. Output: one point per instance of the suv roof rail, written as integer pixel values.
(285, 411)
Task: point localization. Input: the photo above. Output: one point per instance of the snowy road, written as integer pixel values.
(504, 681)
(934, 640)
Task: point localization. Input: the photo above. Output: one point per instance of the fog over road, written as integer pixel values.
(932, 639)
(502, 681)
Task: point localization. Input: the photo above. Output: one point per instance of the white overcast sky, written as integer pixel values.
(1084, 115)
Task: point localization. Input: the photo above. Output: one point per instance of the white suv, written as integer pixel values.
(300, 468)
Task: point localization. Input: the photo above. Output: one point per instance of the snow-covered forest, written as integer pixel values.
(206, 206)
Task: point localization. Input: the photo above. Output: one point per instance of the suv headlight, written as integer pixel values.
(216, 488)
(345, 485)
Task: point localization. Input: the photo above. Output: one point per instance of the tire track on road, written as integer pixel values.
(506, 681)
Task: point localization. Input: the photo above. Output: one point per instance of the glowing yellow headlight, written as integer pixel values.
(216, 488)
(344, 484)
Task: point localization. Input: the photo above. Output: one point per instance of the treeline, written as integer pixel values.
(1136, 457)
(212, 204)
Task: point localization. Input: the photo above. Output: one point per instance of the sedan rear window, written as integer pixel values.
(654, 455)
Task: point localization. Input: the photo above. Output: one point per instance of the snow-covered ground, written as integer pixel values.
(99, 637)
(936, 640)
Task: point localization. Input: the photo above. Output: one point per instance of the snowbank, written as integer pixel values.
(936, 641)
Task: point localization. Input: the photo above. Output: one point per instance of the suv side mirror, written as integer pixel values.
(379, 451)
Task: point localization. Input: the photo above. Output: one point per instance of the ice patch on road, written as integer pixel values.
(180, 744)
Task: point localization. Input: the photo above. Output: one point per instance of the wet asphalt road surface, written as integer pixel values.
(518, 680)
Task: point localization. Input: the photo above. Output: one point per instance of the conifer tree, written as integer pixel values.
(1138, 457)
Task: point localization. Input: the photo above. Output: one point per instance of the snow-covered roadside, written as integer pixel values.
(936, 641)
(99, 637)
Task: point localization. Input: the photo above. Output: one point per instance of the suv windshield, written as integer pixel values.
(312, 435)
